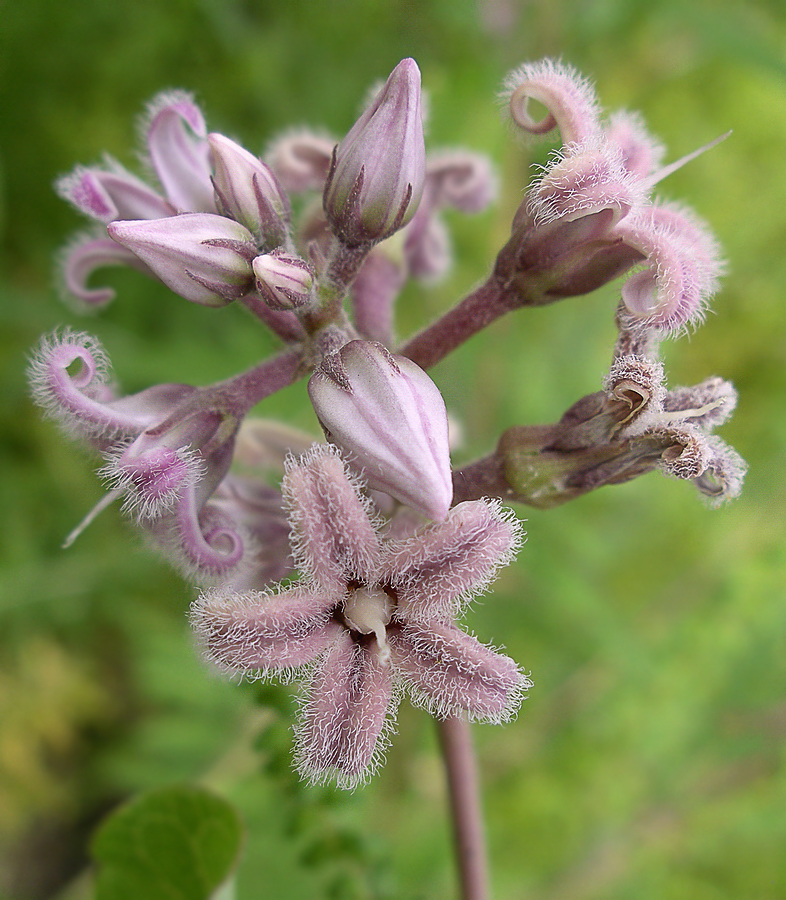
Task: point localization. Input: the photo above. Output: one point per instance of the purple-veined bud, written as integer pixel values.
(177, 143)
(568, 97)
(376, 179)
(112, 193)
(248, 191)
(203, 257)
(301, 160)
(390, 418)
(284, 281)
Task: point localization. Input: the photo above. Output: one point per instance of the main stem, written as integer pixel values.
(466, 814)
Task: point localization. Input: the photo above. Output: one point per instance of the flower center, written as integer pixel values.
(368, 611)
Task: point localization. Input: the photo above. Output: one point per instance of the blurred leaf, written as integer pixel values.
(175, 843)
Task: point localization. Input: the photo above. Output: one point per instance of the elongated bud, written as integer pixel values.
(390, 418)
(285, 281)
(248, 191)
(376, 179)
(203, 257)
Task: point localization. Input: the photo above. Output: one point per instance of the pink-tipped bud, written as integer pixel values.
(390, 418)
(248, 191)
(109, 194)
(203, 257)
(158, 467)
(376, 179)
(285, 281)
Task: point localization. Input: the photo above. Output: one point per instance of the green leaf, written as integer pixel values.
(173, 843)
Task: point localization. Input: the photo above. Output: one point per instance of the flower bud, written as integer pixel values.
(203, 257)
(376, 179)
(157, 468)
(285, 281)
(248, 191)
(390, 418)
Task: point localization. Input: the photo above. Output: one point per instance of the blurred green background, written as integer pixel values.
(648, 763)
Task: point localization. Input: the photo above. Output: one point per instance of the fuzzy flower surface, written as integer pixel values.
(371, 616)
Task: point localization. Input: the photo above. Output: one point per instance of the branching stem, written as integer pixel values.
(477, 310)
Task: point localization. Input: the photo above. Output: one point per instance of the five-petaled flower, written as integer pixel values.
(369, 615)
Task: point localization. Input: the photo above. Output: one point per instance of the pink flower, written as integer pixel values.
(368, 615)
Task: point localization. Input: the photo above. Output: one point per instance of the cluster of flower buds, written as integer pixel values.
(391, 543)
(589, 217)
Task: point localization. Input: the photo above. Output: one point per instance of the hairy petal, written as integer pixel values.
(683, 271)
(111, 193)
(82, 257)
(722, 479)
(255, 633)
(642, 153)
(569, 99)
(341, 735)
(79, 400)
(449, 671)
(333, 536)
(705, 405)
(442, 566)
(177, 142)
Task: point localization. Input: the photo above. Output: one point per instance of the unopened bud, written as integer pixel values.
(285, 281)
(390, 418)
(376, 179)
(248, 191)
(203, 257)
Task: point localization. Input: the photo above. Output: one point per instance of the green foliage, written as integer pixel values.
(175, 843)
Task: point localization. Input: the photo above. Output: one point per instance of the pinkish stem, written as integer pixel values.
(462, 773)
(479, 309)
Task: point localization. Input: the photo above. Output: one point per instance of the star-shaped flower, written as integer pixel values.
(370, 614)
